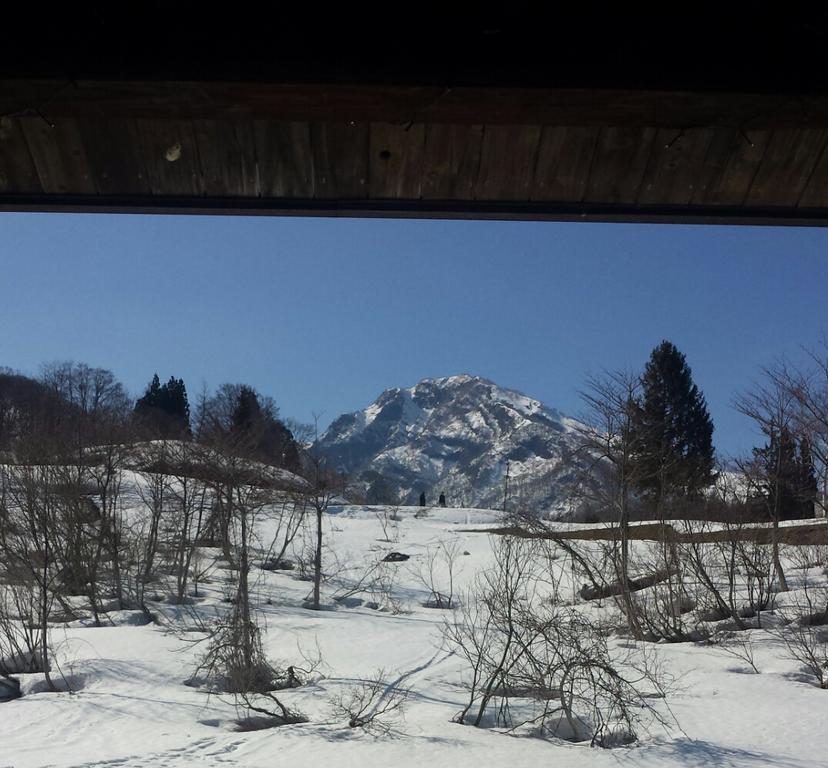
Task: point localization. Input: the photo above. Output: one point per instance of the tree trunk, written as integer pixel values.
(243, 601)
(44, 614)
(317, 560)
(626, 594)
(777, 509)
(777, 562)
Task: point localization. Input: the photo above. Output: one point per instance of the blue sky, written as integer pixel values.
(323, 314)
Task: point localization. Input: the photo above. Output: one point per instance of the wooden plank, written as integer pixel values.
(507, 162)
(340, 159)
(676, 167)
(170, 154)
(395, 160)
(786, 167)
(115, 157)
(815, 194)
(285, 159)
(227, 155)
(564, 159)
(295, 101)
(712, 166)
(734, 157)
(451, 161)
(17, 169)
(59, 155)
(621, 155)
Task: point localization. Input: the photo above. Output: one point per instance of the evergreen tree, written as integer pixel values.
(255, 425)
(673, 432)
(788, 484)
(808, 487)
(153, 394)
(247, 415)
(164, 409)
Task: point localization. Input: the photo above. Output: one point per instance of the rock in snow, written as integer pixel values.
(9, 688)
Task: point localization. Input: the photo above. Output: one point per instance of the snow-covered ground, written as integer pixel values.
(132, 708)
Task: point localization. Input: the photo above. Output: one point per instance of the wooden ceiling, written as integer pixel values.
(502, 123)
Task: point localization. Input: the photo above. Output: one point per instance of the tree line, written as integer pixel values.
(72, 401)
(653, 435)
(103, 499)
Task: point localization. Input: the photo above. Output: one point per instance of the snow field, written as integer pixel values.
(132, 708)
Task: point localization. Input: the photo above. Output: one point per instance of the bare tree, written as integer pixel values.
(177, 490)
(89, 397)
(28, 541)
(313, 497)
(739, 645)
(234, 661)
(535, 661)
(388, 518)
(809, 388)
(437, 571)
(805, 630)
(772, 406)
(609, 439)
(371, 704)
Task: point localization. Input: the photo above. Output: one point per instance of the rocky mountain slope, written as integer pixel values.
(455, 435)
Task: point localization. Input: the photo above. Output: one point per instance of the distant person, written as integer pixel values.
(422, 499)
(442, 499)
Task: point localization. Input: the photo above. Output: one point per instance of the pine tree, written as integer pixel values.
(255, 425)
(247, 415)
(808, 487)
(788, 480)
(164, 409)
(673, 432)
(151, 395)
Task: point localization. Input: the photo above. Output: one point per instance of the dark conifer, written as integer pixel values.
(247, 415)
(807, 479)
(164, 410)
(254, 423)
(789, 482)
(673, 430)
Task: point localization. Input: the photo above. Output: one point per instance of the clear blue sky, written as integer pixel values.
(323, 314)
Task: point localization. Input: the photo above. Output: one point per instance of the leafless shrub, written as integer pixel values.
(805, 636)
(437, 571)
(371, 704)
(535, 661)
(20, 630)
(813, 555)
(201, 567)
(805, 629)
(739, 645)
(377, 581)
(234, 661)
(288, 517)
(388, 519)
(28, 541)
(756, 564)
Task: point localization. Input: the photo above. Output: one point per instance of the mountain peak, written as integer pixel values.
(456, 379)
(452, 434)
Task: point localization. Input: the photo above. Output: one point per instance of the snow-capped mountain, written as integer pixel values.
(455, 435)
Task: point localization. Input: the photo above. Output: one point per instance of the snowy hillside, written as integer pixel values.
(131, 706)
(455, 435)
